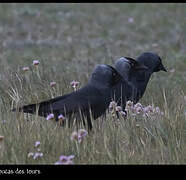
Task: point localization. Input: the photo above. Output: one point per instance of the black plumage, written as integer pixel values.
(91, 100)
(140, 79)
(124, 89)
(137, 74)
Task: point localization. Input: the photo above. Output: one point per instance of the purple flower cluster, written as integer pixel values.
(139, 109)
(134, 109)
(37, 154)
(26, 68)
(52, 84)
(131, 20)
(50, 117)
(113, 108)
(65, 160)
(61, 118)
(79, 136)
(74, 84)
(35, 62)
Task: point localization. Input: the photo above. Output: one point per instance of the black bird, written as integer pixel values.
(92, 100)
(125, 89)
(138, 78)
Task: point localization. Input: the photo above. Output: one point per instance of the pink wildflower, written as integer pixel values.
(130, 19)
(25, 69)
(30, 154)
(148, 109)
(118, 108)
(37, 144)
(78, 136)
(124, 114)
(35, 62)
(112, 105)
(61, 117)
(37, 155)
(65, 160)
(157, 110)
(82, 133)
(129, 103)
(74, 84)
(139, 110)
(74, 136)
(52, 84)
(50, 117)
(138, 105)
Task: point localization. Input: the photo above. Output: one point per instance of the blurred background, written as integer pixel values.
(70, 39)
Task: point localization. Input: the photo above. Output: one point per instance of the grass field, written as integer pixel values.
(69, 40)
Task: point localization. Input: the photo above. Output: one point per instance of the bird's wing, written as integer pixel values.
(84, 99)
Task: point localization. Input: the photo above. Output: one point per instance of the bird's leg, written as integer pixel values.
(89, 123)
(69, 120)
(123, 109)
(83, 120)
(62, 122)
(117, 114)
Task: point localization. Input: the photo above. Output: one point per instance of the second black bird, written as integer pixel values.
(125, 89)
(91, 100)
(146, 64)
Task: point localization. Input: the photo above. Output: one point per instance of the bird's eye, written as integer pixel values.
(113, 74)
(132, 64)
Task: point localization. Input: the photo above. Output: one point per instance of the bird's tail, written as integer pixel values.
(43, 108)
(31, 108)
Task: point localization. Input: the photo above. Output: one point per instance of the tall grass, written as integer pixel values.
(69, 40)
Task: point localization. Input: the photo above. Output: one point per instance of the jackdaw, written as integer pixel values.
(92, 100)
(137, 78)
(140, 79)
(125, 89)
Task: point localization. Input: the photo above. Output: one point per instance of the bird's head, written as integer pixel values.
(152, 61)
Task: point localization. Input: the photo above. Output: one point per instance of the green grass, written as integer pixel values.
(69, 40)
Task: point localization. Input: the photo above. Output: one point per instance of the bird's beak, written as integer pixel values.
(161, 67)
